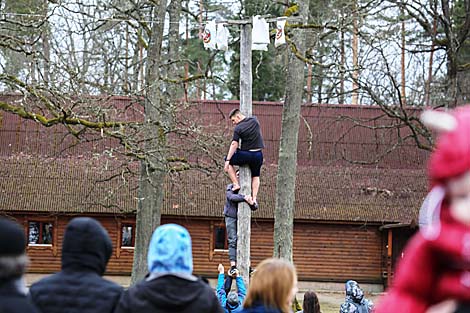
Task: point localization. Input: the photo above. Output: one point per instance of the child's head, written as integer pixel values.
(449, 164)
(232, 299)
(311, 303)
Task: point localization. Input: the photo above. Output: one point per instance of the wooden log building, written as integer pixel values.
(357, 195)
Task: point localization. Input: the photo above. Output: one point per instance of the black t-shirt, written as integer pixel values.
(249, 132)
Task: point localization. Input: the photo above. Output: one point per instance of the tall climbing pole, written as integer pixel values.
(244, 212)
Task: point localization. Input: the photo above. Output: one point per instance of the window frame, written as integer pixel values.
(214, 237)
(41, 221)
(127, 224)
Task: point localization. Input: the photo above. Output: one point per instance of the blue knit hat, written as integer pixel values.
(170, 250)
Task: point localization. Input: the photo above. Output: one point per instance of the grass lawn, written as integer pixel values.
(330, 302)
(327, 307)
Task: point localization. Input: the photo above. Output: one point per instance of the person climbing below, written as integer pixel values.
(231, 217)
(246, 148)
(230, 301)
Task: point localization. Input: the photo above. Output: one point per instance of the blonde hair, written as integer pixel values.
(272, 284)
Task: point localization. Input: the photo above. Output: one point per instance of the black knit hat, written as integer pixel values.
(12, 238)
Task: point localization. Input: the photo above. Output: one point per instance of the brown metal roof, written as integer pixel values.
(328, 135)
(47, 170)
(322, 193)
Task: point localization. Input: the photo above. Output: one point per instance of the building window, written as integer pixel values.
(40, 233)
(220, 238)
(128, 235)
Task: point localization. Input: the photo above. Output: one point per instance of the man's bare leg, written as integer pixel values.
(255, 187)
(233, 177)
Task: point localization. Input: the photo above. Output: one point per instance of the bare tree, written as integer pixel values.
(93, 49)
(285, 186)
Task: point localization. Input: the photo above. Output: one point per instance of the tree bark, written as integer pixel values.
(152, 169)
(174, 12)
(355, 55)
(285, 187)
(403, 56)
(46, 49)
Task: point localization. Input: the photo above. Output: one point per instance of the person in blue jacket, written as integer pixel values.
(231, 301)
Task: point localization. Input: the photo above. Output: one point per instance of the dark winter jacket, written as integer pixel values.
(13, 300)
(169, 294)
(79, 287)
(260, 308)
(231, 202)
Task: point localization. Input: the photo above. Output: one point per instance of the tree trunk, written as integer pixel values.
(451, 50)
(285, 188)
(45, 45)
(153, 168)
(342, 66)
(174, 11)
(403, 56)
(427, 95)
(355, 55)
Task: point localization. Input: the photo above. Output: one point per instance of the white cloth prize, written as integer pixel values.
(260, 34)
(222, 37)
(280, 38)
(209, 35)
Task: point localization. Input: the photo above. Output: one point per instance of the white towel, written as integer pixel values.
(209, 35)
(260, 34)
(222, 37)
(280, 35)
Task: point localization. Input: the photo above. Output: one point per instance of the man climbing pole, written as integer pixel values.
(248, 152)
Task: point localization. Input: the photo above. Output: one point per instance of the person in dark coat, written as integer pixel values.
(170, 287)
(79, 287)
(13, 263)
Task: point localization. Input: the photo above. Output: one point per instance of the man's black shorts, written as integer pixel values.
(254, 159)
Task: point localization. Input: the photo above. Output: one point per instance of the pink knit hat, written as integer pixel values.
(451, 156)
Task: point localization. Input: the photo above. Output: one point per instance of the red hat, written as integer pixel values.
(451, 156)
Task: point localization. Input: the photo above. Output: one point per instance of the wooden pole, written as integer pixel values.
(309, 84)
(244, 212)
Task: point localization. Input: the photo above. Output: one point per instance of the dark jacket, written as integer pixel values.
(169, 294)
(231, 202)
(14, 301)
(79, 287)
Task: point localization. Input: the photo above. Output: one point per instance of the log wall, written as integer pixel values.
(322, 252)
